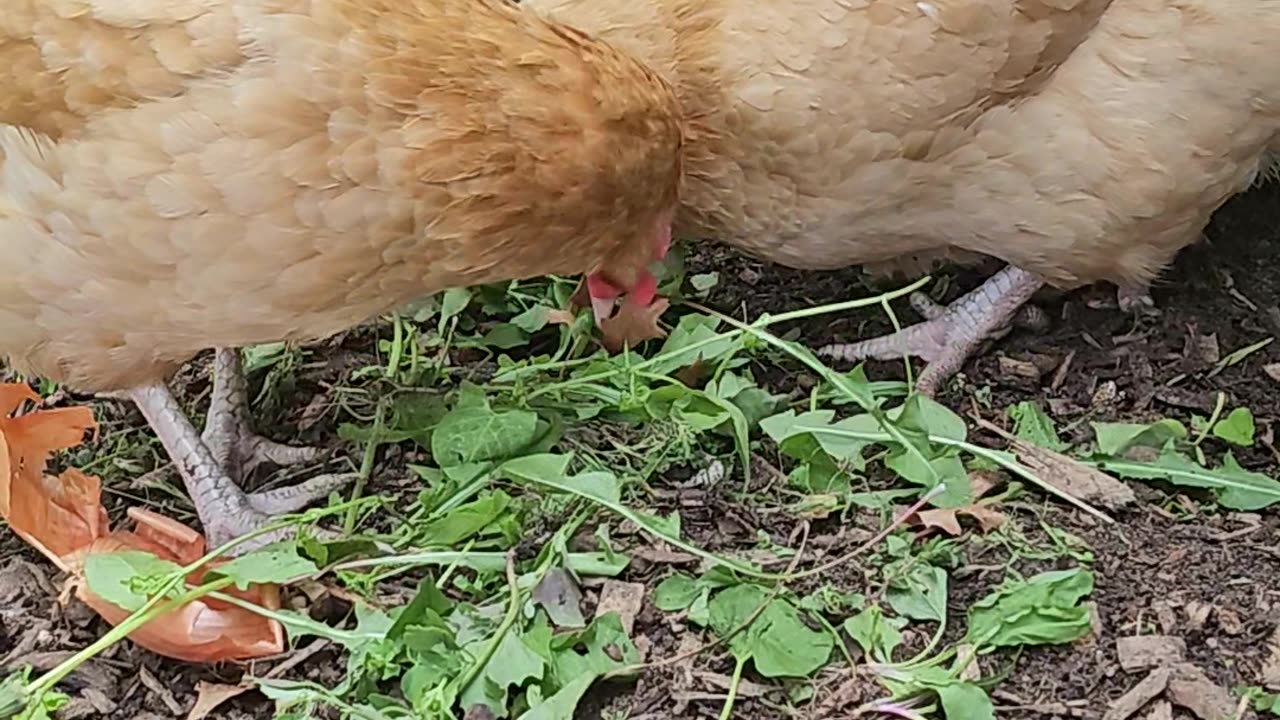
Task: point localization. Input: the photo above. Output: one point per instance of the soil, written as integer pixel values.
(1172, 564)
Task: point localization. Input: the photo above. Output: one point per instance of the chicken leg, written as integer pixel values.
(212, 465)
(948, 336)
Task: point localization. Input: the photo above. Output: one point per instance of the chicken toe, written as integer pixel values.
(949, 335)
(228, 429)
(225, 510)
(1135, 299)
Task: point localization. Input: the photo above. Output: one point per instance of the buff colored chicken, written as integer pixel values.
(198, 174)
(1077, 140)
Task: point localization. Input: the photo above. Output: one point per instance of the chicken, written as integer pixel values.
(1078, 140)
(199, 174)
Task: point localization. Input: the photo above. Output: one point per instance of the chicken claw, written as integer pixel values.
(227, 429)
(949, 335)
(226, 511)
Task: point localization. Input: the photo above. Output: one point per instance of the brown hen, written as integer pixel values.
(216, 173)
(1078, 140)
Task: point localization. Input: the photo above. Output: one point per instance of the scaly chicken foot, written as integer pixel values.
(1134, 298)
(226, 511)
(949, 335)
(228, 429)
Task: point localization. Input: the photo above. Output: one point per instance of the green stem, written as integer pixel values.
(513, 614)
(727, 711)
(366, 467)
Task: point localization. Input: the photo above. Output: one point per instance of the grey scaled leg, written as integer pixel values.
(225, 510)
(948, 336)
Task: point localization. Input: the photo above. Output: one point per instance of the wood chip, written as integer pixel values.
(1147, 651)
(1161, 710)
(1141, 694)
(1074, 478)
(210, 695)
(153, 684)
(624, 598)
(1198, 614)
(1269, 674)
(1190, 688)
(1272, 370)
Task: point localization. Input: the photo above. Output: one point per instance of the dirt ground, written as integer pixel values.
(1173, 564)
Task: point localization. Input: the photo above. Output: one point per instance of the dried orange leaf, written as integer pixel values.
(56, 515)
(64, 519)
(634, 324)
(205, 630)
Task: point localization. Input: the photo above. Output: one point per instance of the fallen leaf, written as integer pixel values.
(560, 317)
(210, 695)
(64, 519)
(55, 515)
(633, 325)
(204, 630)
(948, 519)
(1269, 674)
(559, 595)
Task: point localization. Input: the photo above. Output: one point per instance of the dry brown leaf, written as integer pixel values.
(560, 317)
(948, 519)
(64, 519)
(633, 325)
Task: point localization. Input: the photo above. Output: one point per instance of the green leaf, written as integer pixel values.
(877, 635)
(428, 601)
(921, 595)
(455, 301)
(1236, 428)
(964, 701)
(695, 337)
(930, 417)
(278, 565)
(945, 468)
(676, 593)
(473, 432)
(1032, 424)
(601, 647)
(702, 282)
(1233, 486)
(465, 521)
(127, 578)
(505, 336)
(1041, 610)
(563, 704)
(777, 641)
(1114, 438)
